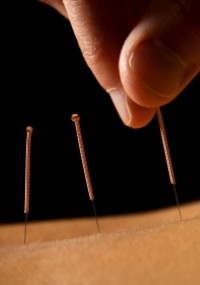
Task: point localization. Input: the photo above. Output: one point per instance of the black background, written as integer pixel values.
(45, 80)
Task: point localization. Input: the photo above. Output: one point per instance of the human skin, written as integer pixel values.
(143, 249)
(154, 248)
(143, 53)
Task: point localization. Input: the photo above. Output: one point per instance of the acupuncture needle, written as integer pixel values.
(76, 119)
(168, 158)
(29, 131)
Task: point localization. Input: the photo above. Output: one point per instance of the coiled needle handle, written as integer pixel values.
(29, 130)
(168, 158)
(76, 118)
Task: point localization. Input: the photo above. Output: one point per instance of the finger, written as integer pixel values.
(101, 28)
(161, 54)
(131, 114)
(57, 5)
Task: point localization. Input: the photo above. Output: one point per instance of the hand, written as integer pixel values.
(143, 53)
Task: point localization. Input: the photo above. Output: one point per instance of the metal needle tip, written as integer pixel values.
(177, 202)
(76, 118)
(25, 227)
(96, 217)
(168, 158)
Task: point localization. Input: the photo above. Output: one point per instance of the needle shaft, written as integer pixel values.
(27, 178)
(76, 118)
(168, 158)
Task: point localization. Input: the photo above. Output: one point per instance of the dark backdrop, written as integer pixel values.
(45, 80)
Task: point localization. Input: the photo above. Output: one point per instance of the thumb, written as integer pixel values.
(161, 54)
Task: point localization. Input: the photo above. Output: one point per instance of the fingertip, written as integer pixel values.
(131, 114)
(141, 116)
(58, 5)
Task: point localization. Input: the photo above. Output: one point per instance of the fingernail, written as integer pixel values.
(158, 67)
(119, 100)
